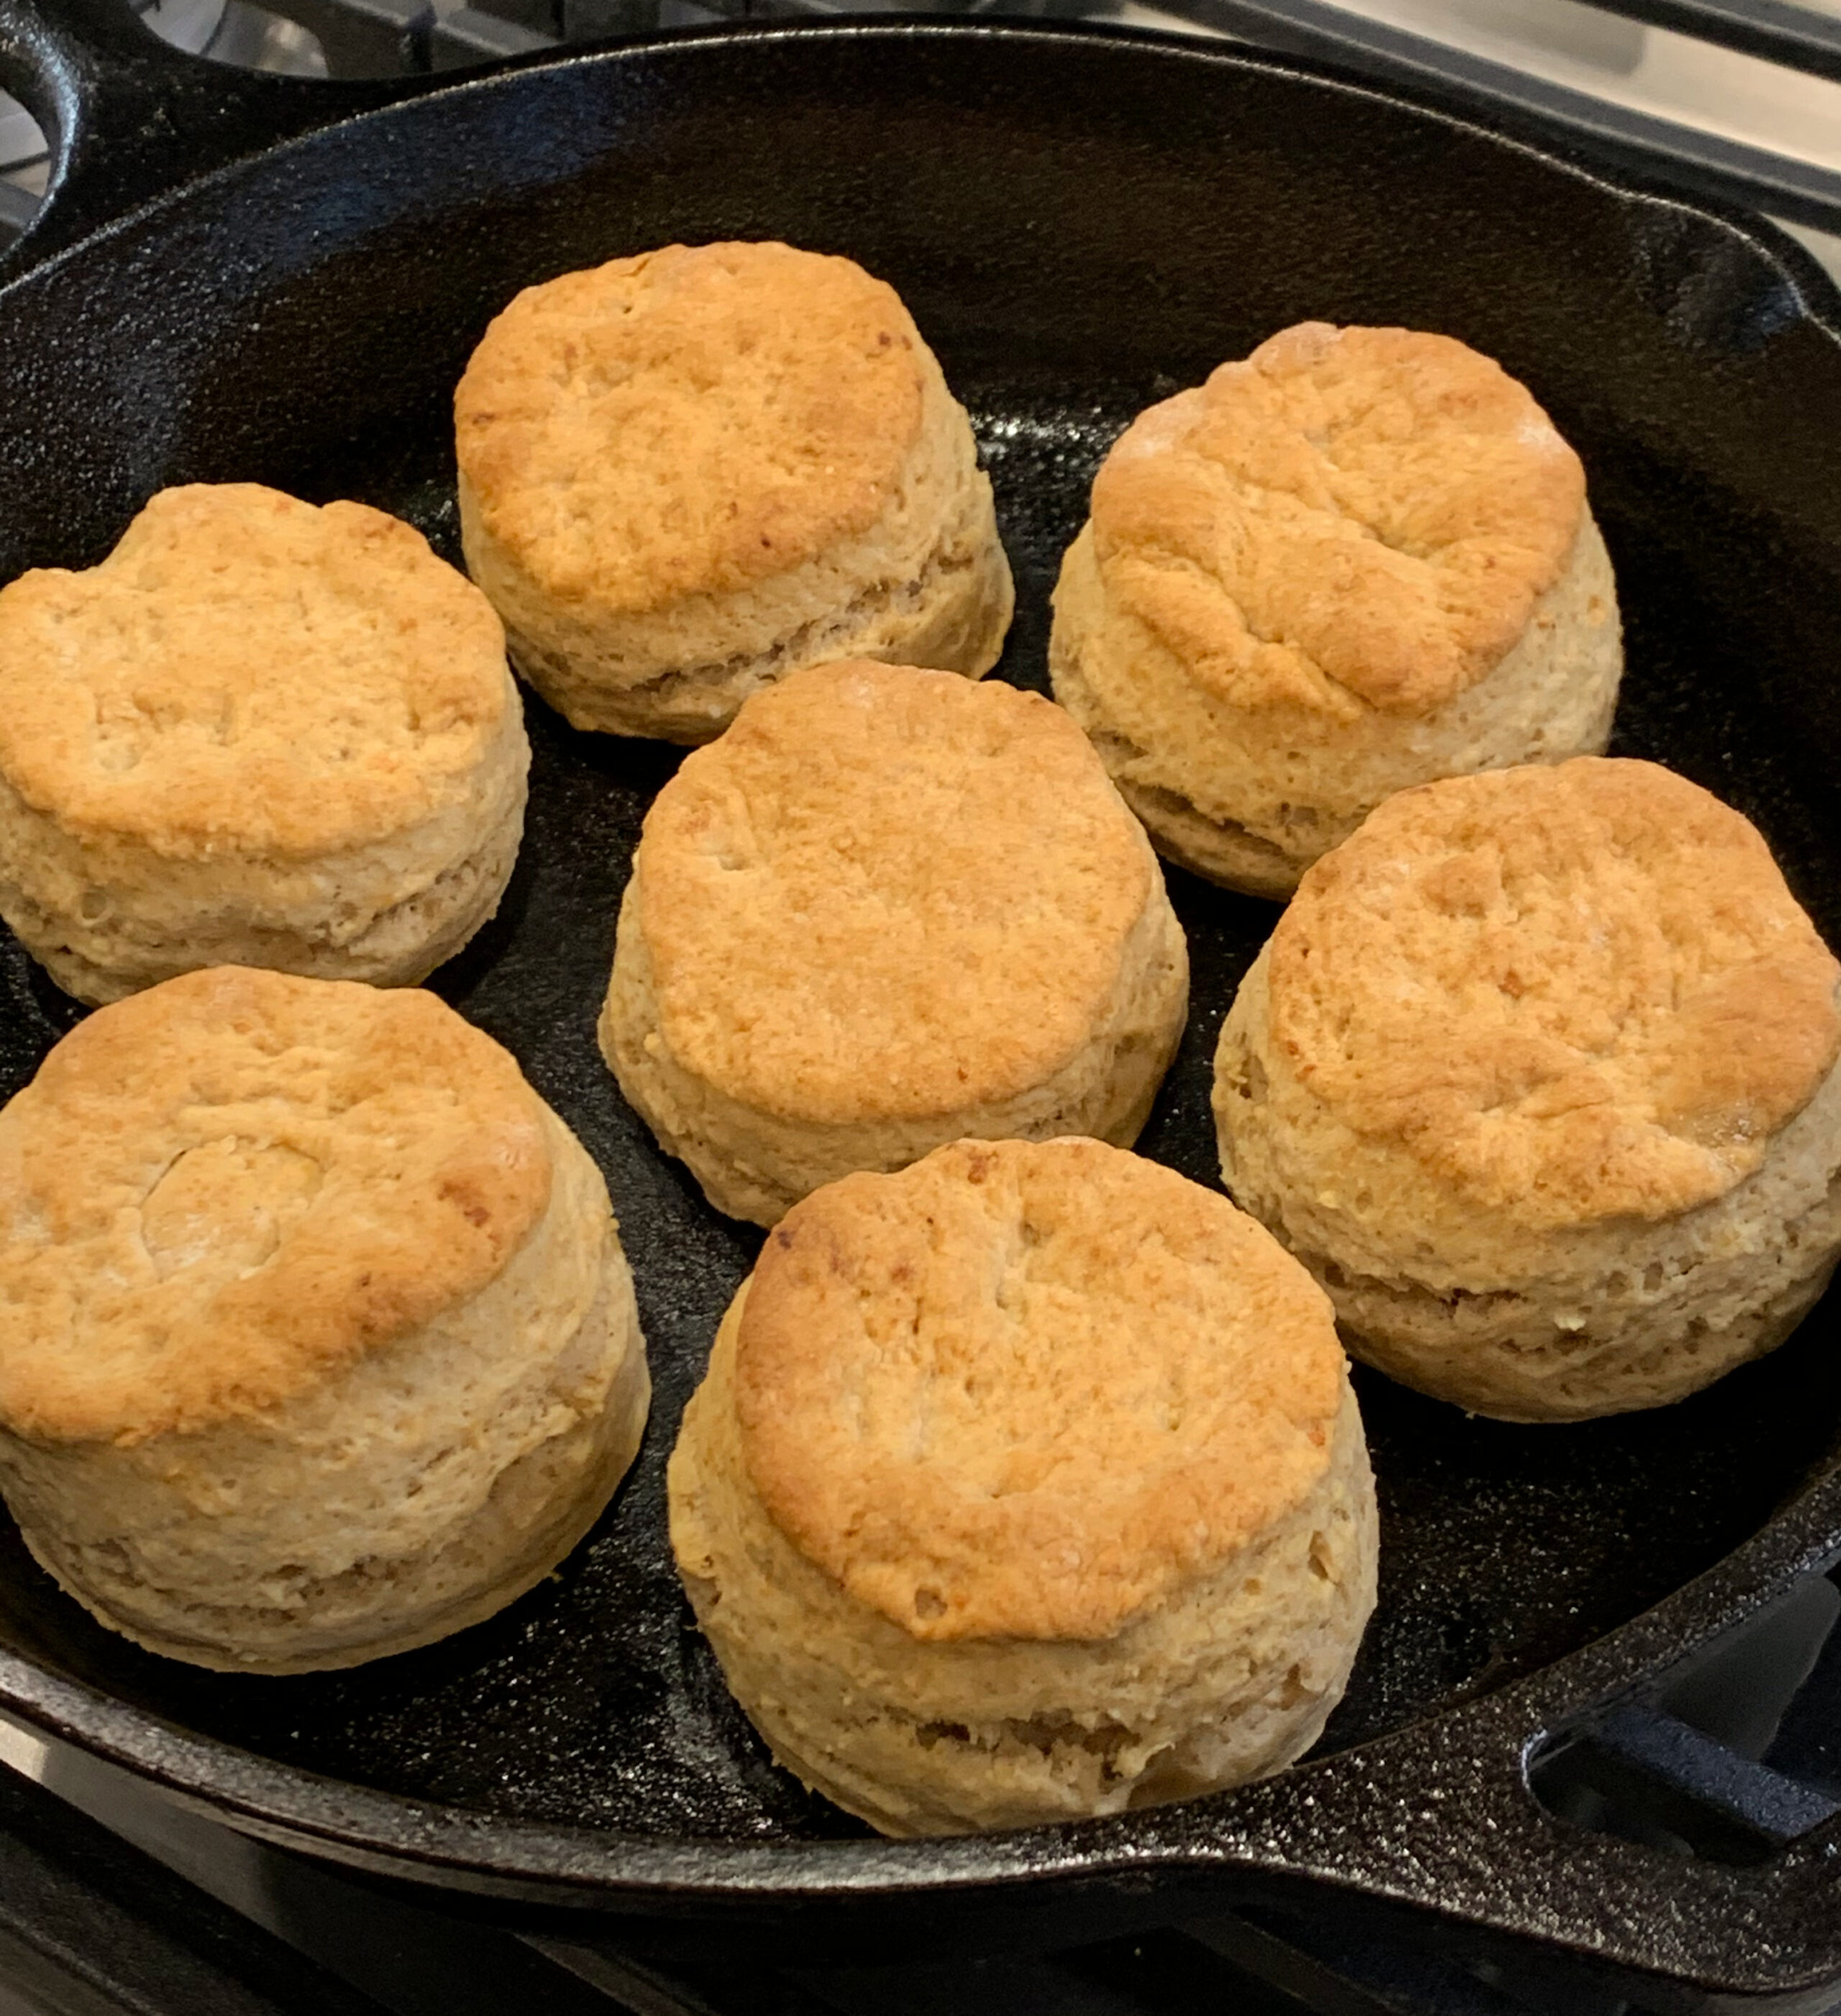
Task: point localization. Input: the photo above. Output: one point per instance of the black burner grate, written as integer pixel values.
(372, 38)
(388, 37)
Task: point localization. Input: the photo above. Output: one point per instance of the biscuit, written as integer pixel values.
(316, 1339)
(1024, 1485)
(1359, 560)
(685, 474)
(888, 909)
(258, 734)
(1537, 1077)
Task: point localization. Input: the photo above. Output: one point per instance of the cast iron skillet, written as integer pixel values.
(1081, 223)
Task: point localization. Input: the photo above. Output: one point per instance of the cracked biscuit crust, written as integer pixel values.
(1350, 518)
(227, 1189)
(1027, 1390)
(1568, 995)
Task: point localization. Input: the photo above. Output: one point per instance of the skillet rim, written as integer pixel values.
(1818, 293)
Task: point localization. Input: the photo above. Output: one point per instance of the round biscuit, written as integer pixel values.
(260, 732)
(316, 1340)
(685, 473)
(888, 909)
(1538, 1073)
(1026, 1483)
(1358, 559)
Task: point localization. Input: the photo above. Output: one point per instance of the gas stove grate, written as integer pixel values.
(1549, 69)
(377, 37)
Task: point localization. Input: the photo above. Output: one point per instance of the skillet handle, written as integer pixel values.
(1443, 1818)
(128, 117)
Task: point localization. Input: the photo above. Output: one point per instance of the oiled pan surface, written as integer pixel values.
(1079, 229)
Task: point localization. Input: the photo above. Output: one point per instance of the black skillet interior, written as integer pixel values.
(1079, 226)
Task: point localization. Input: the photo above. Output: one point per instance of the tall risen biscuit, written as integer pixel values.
(888, 909)
(685, 474)
(260, 733)
(316, 1339)
(1356, 561)
(1538, 1076)
(1026, 1484)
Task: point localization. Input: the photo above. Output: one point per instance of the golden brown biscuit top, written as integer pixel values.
(248, 673)
(689, 421)
(1350, 517)
(887, 893)
(218, 1192)
(1572, 994)
(1027, 1389)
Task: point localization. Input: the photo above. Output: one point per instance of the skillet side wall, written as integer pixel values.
(1077, 234)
